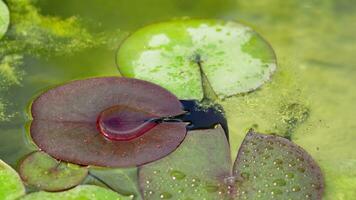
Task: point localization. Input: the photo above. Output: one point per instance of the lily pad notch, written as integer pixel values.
(266, 167)
(198, 59)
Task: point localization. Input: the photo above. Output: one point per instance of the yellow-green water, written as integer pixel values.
(314, 41)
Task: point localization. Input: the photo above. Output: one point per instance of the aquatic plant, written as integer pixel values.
(266, 167)
(83, 192)
(4, 18)
(10, 183)
(198, 59)
(121, 122)
(43, 172)
(112, 122)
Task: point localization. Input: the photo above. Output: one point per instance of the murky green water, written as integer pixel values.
(310, 98)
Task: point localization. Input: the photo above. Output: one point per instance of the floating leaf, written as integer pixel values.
(11, 186)
(4, 18)
(72, 122)
(122, 180)
(267, 167)
(46, 173)
(198, 58)
(195, 170)
(83, 192)
(275, 168)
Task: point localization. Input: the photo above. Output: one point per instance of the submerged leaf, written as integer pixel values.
(11, 186)
(198, 58)
(67, 122)
(44, 172)
(83, 192)
(267, 167)
(4, 18)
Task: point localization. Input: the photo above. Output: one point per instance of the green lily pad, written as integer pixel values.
(40, 170)
(83, 192)
(122, 180)
(4, 18)
(195, 170)
(11, 186)
(266, 167)
(274, 168)
(198, 58)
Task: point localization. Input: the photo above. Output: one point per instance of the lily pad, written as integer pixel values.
(67, 122)
(42, 171)
(198, 58)
(261, 170)
(122, 180)
(195, 170)
(274, 167)
(11, 186)
(83, 192)
(4, 18)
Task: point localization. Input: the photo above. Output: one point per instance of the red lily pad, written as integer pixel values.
(267, 167)
(107, 122)
(42, 171)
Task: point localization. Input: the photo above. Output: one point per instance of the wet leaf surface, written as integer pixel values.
(195, 170)
(11, 186)
(4, 18)
(198, 59)
(274, 168)
(65, 122)
(83, 192)
(40, 170)
(267, 167)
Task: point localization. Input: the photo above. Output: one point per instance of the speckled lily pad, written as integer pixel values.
(40, 170)
(83, 192)
(4, 18)
(272, 167)
(67, 122)
(267, 167)
(198, 58)
(11, 186)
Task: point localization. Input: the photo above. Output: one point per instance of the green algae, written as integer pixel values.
(33, 34)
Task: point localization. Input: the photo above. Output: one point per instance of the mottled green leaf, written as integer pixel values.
(83, 192)
(198, 58)
(11, 186)
(40, 170)
(4, 18)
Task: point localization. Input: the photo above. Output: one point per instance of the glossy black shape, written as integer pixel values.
(199, 116)
(202, 116)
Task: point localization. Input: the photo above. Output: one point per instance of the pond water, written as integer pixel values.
(311, 98)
